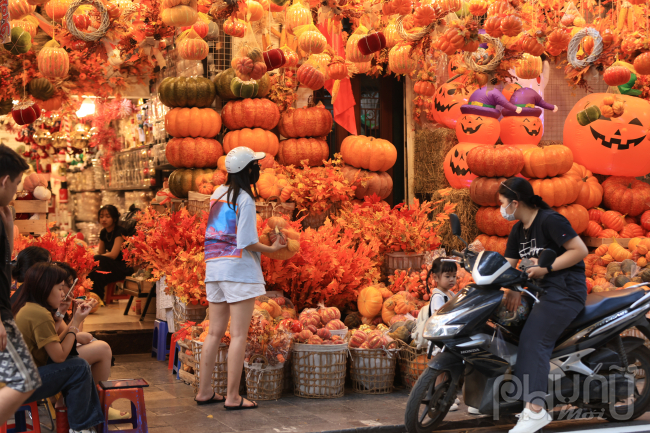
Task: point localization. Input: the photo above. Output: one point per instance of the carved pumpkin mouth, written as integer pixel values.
(442, 108)
(532, 132)
(617, 141)
(457, 170)
(469, 130)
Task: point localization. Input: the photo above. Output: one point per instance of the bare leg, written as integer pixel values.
(534, 407)
(241, 313)
(10, 401)
(98, 354)
(219, 315)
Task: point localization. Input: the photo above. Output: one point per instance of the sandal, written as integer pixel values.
(241, 405)
(211, 401)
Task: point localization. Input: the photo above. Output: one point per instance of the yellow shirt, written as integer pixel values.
(37, 326)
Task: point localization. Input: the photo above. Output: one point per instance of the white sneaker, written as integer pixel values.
(457, 401)
(473, 411)
(453, 407)
(530, 422)
(87, 430)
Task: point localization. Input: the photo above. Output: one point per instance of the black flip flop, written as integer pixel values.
(241, 406)
(211, 401)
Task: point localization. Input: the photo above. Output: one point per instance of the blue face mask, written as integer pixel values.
(506, 215)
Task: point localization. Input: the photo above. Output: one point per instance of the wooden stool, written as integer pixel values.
(20, 420)
(110, 297)
(132, 390)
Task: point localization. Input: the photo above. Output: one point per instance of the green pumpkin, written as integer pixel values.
(187, 92)
(588, 115)
(225, 78)
(5, 106)
(41, 88)
(265, 86)
(244, 89)
(20, 43)
(183, 180)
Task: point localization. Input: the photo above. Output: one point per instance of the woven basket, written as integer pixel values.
(373, 370)
(220, 373)
(412, 363)
(267, 209)
(403, 261)
(187, 312)
(316, 220)
(319, 371)
(197, 202)
(263, 382)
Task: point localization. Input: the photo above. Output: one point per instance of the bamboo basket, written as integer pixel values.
(412, 363)
(373, 370)
(267, 209)
(316, 220)
(197, 202)
(187, 312)
(263, 382)
(403, 261)
(220, 373)
(319, 371)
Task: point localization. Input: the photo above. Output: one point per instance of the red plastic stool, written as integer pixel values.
(20, 420)
(110, 297)
(62, 425)
(132, 390)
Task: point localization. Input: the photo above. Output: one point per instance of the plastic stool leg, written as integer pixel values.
(162, 342)
(154, 344)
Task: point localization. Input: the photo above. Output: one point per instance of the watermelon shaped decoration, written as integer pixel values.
(372, 43)
(274, 59)
(25, 112)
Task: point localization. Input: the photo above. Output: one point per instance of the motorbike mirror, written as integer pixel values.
(455, 224)
(546, 258)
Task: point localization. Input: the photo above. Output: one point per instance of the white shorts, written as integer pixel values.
(231, 292)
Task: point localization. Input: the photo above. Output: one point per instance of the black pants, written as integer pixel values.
(546, 322)
(117, 271)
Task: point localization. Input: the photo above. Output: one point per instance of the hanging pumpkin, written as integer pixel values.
(234, 27)
(616, 76)
(41, 88)
(642, 63)
(52, 104)
(53, 61)
(274, 59)
(20, 8)
(310, 77)
(363, 67)
(400, 61)
(29, 26)
(312, 42)
(290, 56)
(511, 25)
(610, 146)
(424, 88)
(455, 166)
(25, 112)
(352, 52)
(493, 27)
(56, 9)
(193, 47)
(391, 35)
(478, 7)
(253, 11)
(20, 42)
(372, 43)
(558, 41)
(531, 45)
(521, 130)
(179, 16)
(337, 71)
(529, 67)
(296, 15)
(472, 128)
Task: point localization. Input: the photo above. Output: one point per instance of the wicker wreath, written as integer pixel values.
(574, 46)
(494, 63)
(412, 37)
(91, 36)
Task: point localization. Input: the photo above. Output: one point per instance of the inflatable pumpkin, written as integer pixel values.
(447, 101)
(473, 128)
(610, 146)
(455, 165)
(521, 130)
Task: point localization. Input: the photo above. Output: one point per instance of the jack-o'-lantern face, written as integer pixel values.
(447, 101)
(472, 128)
(521, 130)
(617, 146)
(455, 166)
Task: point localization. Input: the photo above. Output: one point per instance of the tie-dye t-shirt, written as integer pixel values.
(228, 233)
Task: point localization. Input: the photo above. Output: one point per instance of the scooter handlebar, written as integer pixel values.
(537, 288)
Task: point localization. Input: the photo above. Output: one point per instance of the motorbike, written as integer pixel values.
(592, 367)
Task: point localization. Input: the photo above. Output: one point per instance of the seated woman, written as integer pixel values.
(25, 260)
(112, 267)
(60, 368)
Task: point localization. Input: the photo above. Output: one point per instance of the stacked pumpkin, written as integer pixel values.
(614, 267)
(493, 164)
(320, 326)
(305, 129)
(367, 160)
(193, 150)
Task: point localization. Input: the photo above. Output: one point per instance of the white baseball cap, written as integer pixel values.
(238, 158)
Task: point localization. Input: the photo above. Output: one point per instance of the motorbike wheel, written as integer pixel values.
(429, 402)
(641, 399)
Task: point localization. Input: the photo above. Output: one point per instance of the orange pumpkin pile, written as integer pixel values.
(374, 157)
(306, 129)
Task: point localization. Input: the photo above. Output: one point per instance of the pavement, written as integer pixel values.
(171, 409)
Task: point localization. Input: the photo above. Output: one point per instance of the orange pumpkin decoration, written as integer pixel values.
(193, 152)
(484, 191)
(633, 243)
(616, 75)
(391, 35)
(370, 302)
(577, 215)
(53, 61)
(529, 67)
(618, 253)
(642, 262)
(253, 11)
(472, 128)
(379, 183)
(310, 77)
(531, 45)
(193, 122)
(557, 191)
(374, 154)
(602, 250)
(257, 139)
(490, 222)
(558, 41)
(642, 63)
(352, 52)
(457, 171)
(21, 8)
(495, 161)
(549, 161)
(28, 26)
(493, 243)
(292, 239)
(306, 122)
(295, 16)
(193, 47)
(337, 71)
(521, 130)
(478, 7)
(493, 27)
(270, 184)
(178, 16)
(312, 42)
(608, 234)
(511, 25)
(250, 113)
(399, 59)
(51, 104)
(234, 27)
(447, 101)
(632, 230)
(626, 195)
(424, 88)
(611, 146)
(591, 192)
(56, 9)
(294, 150)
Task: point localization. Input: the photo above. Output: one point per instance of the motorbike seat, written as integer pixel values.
(602, 304)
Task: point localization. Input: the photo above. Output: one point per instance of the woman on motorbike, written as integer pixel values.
(540, 227)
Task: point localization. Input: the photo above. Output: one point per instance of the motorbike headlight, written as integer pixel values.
(437, 326)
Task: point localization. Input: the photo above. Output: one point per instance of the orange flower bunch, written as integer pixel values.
(316, 188)
(71, 250)
(172, 245)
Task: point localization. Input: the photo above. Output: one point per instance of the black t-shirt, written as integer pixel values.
(109, 239)
(5, 276)
(548, 230)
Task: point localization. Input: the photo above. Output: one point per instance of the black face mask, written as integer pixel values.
(255, 173)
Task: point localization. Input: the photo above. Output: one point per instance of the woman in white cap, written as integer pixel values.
(233, 275)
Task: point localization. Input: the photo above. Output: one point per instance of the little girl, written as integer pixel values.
(233, 273)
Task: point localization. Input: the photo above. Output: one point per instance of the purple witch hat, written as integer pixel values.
(529, 101)
(484, 103)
